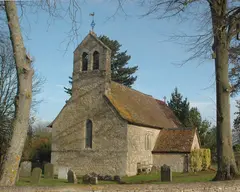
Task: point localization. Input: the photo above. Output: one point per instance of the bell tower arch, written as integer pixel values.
(91, 64)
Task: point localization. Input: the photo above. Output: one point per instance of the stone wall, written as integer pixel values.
(137, 153)
(225, 186)
(196, 142)
(89, 45)
(177, 162)
(108, 154)
(109, 136)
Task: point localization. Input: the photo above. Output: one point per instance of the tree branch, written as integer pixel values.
(233, 23)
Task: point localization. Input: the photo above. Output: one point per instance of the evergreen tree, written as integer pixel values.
(195, 118)
(211, 142)
(189, 117)
(203, 129)
(180, 107)
(121, 72)
(203, 126)
(69, 90)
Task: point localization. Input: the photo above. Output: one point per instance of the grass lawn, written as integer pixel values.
(202, 176)
(55, 182)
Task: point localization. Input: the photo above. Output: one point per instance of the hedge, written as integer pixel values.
(206, 159)
(195, 160)
(200, 159)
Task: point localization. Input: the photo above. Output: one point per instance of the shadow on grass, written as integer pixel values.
(202, 176)
(23, 181)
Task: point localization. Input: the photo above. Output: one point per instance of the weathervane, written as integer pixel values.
(93, 23)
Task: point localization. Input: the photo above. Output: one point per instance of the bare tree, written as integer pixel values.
(23, 99)
(23, 64)
(234, 72)
(8, 79)
(8, 85)
(8, 90)
(224, 21)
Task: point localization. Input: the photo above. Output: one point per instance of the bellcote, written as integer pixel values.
(91, 55)
(92, 62)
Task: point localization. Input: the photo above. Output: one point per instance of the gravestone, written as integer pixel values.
(238, 164)
(237, 159)
(62, 172)
(17, 177)
(166, 173)
(71, 176)
(25, 169)
(86, 179)
(107, 178)
(94, 180)
(100, 177)
(48, 171)
(117, 178)
(36, 175)
(154, 169)
(90, 179)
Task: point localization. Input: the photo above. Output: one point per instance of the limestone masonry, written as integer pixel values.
(110, 129)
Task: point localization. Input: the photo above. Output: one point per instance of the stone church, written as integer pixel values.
(108, 128)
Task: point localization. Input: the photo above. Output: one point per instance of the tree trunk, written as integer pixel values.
(23, 98)
(226, 162)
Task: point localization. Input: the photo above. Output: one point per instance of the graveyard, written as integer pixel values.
(204, 176)
(98, 96)
(38, 178)
(200, 170)
(161, 180)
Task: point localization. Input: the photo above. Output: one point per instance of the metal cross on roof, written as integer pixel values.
(92, 23)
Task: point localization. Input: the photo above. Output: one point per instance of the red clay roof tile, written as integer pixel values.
(174, 140)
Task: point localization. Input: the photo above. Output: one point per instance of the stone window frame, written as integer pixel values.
(148, 141)
(85, 67)
(94, 60)
(88, 138)
(90, 61)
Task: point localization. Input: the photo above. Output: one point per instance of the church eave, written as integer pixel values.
(172, 152)
(144, 125)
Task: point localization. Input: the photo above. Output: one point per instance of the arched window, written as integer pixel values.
(84, 61)
(88, 134)
(147, 142)
(95, 60)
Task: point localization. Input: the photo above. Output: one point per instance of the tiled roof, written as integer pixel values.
(169, 113)
(174, 140)
(139, 108)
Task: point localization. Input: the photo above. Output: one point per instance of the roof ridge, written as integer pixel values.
(93, 35)
(137, 107)
(161, 101)
(132, 89)
(180, 128)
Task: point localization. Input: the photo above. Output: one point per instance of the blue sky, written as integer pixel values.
(143, 38)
